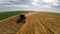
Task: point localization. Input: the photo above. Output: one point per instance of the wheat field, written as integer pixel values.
(36, 23)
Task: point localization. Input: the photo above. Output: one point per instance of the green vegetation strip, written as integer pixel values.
(4, 15)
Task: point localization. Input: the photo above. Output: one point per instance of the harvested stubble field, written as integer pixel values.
(36, 23)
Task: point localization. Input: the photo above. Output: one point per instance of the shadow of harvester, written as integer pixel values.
(21, 19)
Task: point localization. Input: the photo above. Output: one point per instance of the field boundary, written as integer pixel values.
(9, 18)
(27, 14)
